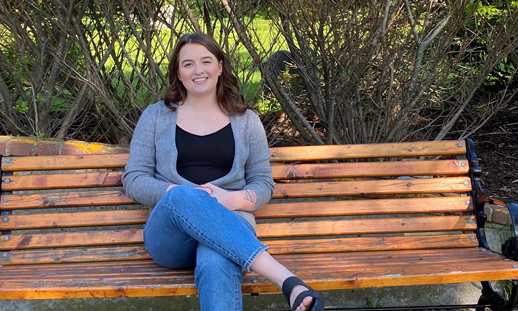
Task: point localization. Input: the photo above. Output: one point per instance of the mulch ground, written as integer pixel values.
(496, 146)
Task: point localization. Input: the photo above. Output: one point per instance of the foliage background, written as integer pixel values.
(358, 72)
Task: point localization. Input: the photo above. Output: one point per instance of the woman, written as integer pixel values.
(201, 159)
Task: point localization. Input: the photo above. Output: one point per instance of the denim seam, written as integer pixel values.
(238, 291)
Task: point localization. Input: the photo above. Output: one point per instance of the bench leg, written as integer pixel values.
(496, 300)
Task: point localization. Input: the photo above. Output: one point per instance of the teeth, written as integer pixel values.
(199, 79)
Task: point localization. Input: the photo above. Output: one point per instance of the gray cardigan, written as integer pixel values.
(152, 162)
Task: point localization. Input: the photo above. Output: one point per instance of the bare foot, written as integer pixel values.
(306, 302)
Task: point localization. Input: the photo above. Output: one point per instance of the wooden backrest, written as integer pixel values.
(327, 199)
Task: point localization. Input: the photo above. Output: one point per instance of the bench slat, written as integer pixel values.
(65, 199)
(134, 236)
(278, 247)
(62, 181)
(323, 262)
(75, 219)
(77, 254)
(335, 152)
(296, 209)
(68, 239)
(424, 255)
(65, 162)
(333, 170)
(345, 258)
(366, 226)
(365, 207)
(370, 169)
(264, 230)
(104, 267)
(378, 273)
(392, 186)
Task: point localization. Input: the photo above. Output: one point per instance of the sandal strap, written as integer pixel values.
(289, 284)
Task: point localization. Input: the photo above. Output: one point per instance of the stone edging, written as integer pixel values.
(497, 214)
(26, 146)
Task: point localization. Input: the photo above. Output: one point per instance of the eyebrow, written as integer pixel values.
(204, 57)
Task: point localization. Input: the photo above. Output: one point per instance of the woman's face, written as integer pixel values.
(198, 70)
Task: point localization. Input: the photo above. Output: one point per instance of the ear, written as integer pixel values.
(220, 67)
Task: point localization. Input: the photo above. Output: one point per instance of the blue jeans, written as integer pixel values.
(189, 228)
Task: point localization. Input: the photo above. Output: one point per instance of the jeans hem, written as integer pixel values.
(252, 257)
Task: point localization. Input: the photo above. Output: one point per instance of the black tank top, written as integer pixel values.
(202, 159)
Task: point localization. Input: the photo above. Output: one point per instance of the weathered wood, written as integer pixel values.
(370, 169)
(75, 254)
(75, 219)
(392, 186)
(70, 239)
(386, 271)
(65, 199)
(64, 162)
(366, 207)
(78, 247)
(366, 226)
(361, 244)
(366, 151)
(62, 181)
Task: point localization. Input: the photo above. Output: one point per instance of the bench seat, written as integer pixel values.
(135, 278)
(342, 217)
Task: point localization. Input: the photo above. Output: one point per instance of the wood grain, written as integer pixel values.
(64, 162)
(65, 199)
(113, 280)
(365, 207)
(62, 181)
(371, 187)
(369, 169)
(366, 151)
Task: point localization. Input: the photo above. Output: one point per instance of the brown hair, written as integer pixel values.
(228, 97)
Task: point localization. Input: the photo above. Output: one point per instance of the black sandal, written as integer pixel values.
(318, 303)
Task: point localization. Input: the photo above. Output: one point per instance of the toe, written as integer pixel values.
(304, 305)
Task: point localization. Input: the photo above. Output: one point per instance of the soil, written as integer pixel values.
(496, 145)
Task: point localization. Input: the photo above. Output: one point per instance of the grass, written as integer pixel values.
(248, 74)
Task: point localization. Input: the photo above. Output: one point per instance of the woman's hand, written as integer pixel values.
(243, 200)
(229, 199)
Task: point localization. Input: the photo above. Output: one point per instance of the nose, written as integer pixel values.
(198, 69)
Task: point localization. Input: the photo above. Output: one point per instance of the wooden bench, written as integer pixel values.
(342, 217)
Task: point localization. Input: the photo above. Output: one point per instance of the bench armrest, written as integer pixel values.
(480, 198)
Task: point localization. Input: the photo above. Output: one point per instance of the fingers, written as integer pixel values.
(206, 189)
(210, 188)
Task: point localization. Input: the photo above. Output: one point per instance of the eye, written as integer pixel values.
(186, 65)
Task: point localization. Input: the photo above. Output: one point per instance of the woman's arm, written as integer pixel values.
(139, 175)
(258, 171)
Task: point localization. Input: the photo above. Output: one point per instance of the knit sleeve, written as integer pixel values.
(258, 172)
(139, 175)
